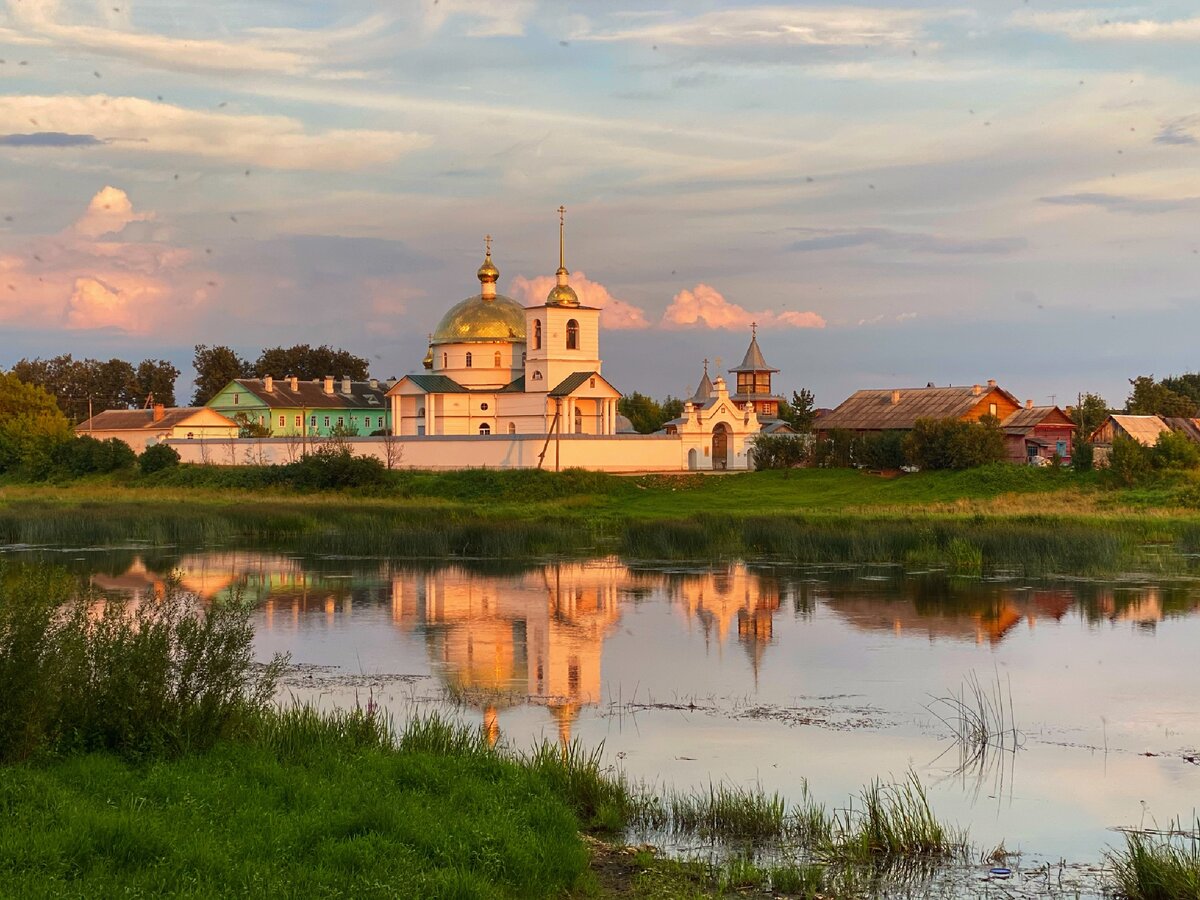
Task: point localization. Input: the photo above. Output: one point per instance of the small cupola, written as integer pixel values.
(488, 273)
(562, 294)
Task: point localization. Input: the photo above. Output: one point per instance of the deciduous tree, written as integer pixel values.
(216, 367)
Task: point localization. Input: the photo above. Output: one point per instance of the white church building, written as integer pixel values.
(509, 386)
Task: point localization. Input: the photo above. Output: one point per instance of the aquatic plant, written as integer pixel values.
(1159, 866)
(980, 719)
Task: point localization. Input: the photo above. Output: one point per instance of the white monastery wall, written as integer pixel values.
(609, 453)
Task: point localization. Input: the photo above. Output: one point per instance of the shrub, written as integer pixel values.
(1128, 461)
(84, 455)
(778, 451)
(31, 427)
(882, 450)
(836, 451)
(1084, 457)
(953, 444)
(1175, 451)
(85, 672)
(157, 457)
(334, 468)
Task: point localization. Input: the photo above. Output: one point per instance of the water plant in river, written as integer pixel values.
(980, 719)
(1158, 866)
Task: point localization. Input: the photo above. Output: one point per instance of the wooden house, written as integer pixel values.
(898, 409)
(1143, 429)
(1038, 433)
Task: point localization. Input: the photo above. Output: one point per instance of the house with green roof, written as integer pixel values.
(317, 408)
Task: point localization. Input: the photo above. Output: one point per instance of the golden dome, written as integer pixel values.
(482, 319)
(427, 362)
(488, 271)
(562, 294)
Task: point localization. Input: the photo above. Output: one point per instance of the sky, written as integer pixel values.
(897, 194)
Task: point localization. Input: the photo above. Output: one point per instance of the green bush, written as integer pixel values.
(157, 457)
(333, 468)
(1128, 461)
(1084, 457)
(953, 444)
(836, 451)
(881, 450)
(1174, 450)
(84, 455)
(778, 451)
(31, 427)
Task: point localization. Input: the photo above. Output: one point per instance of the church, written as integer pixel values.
(497, 370)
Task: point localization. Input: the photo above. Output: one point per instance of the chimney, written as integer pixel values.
(268, 384)
(1029, 404)
(375, 383)
(294, 382)
(895, 398)
(158, 412)
(991, 382)
(345, 385)
(391, 382)
(329, 384)
(977, 390)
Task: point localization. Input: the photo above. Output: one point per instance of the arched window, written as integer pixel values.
(445, 360)
(572, 335)
(537, 334)
(468, 360)
(485, 428)
(512, 427)
(496, 363)
(578, 420)
(421, 412)
(537, 376)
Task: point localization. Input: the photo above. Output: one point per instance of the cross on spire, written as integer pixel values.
(706, 365)
(754, 329)
(487, 242)
(562, 213)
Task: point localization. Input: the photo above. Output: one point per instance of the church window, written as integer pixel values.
(592, 383)
(468, 360)
(537, 334)
(445, 360)
(483, 406)
(421, 413)
(537, 376)
(496, 359)
(578, 420)
(485, 428)
(512, 427)
(190, 435)
(572, 335)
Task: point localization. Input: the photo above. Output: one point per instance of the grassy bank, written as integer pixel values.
(1020, 518)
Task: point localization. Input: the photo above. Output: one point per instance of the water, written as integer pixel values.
(764, 674)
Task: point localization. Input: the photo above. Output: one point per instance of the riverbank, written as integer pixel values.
(1029, 520)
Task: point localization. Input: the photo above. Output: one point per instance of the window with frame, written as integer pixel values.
(312, 421)
(497, 359)
(512, 427)
(991, 409)
(282, 421)
(236, 399)
(380, 421)
(327, 421)
(299, 421)
(537, 376)
(445, 360)
(537, 334)
(468, 360)
(485, 428)
(341, 421)
(572, 335)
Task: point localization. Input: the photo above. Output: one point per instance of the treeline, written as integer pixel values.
(931, 444)
(1176, 396)
(217, 366)
(83, 387)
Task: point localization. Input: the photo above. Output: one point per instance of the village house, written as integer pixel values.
(140, 428)
(1143, 429)
(1032, 433)
(289, 407)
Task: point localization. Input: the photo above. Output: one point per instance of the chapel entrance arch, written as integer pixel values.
(720, 446)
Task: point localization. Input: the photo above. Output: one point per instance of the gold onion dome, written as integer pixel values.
(562, 294)
(487, 317)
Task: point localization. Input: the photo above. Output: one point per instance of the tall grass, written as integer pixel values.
(1159, 866)
(980, 719)
(80, 672)
(893, 822)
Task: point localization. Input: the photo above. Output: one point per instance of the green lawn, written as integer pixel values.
(239, 821)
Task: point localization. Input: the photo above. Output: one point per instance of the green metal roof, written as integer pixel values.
(514, 387)
(437, 384)
(571, 382)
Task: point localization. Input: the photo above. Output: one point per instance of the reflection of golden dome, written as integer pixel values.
(480, 319)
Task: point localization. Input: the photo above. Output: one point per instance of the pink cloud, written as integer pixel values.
(77, 281)
(615, 314)
(705, 307)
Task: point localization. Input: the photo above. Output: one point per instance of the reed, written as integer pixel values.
(722, 812)
(1159, 866)
(980, 719)
(894, 823)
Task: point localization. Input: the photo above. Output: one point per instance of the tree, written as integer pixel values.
(157, 457)
(308, 362)
(216, 367)
(156, 377)
(954, 444)
(250, 428)
(1153, 398)
(801, 411)
(1088, 414)
(646, 414)
(31, 427)
(1128, 460)
(1187, 384)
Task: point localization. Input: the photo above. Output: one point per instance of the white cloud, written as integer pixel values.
(1100, 25)
(142, 126)
(486, 18)
(615, 314)
(705, 307)
(110, 211)
(775, 25)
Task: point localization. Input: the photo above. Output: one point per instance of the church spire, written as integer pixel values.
(562, 294)
(488, 273)
(705, 390)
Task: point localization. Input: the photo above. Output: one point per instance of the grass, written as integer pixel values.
(1159, 866)
(980, 719)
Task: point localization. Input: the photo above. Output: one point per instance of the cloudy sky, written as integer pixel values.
(897, 193)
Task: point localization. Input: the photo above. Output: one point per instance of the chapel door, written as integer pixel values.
(720, 446)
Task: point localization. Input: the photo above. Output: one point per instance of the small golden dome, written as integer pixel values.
(427, 362)
(481, 319)
(562, 295)
(488, 273)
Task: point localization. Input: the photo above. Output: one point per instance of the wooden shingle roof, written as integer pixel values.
(874, 410)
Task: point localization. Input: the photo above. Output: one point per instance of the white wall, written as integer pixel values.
(609, 453)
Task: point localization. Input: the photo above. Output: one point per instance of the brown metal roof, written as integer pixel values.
(311, 394)
(874, 410)
(1028, 418)
(1189, 427)
(1143, 429)
(137, 419)
(753, 361)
